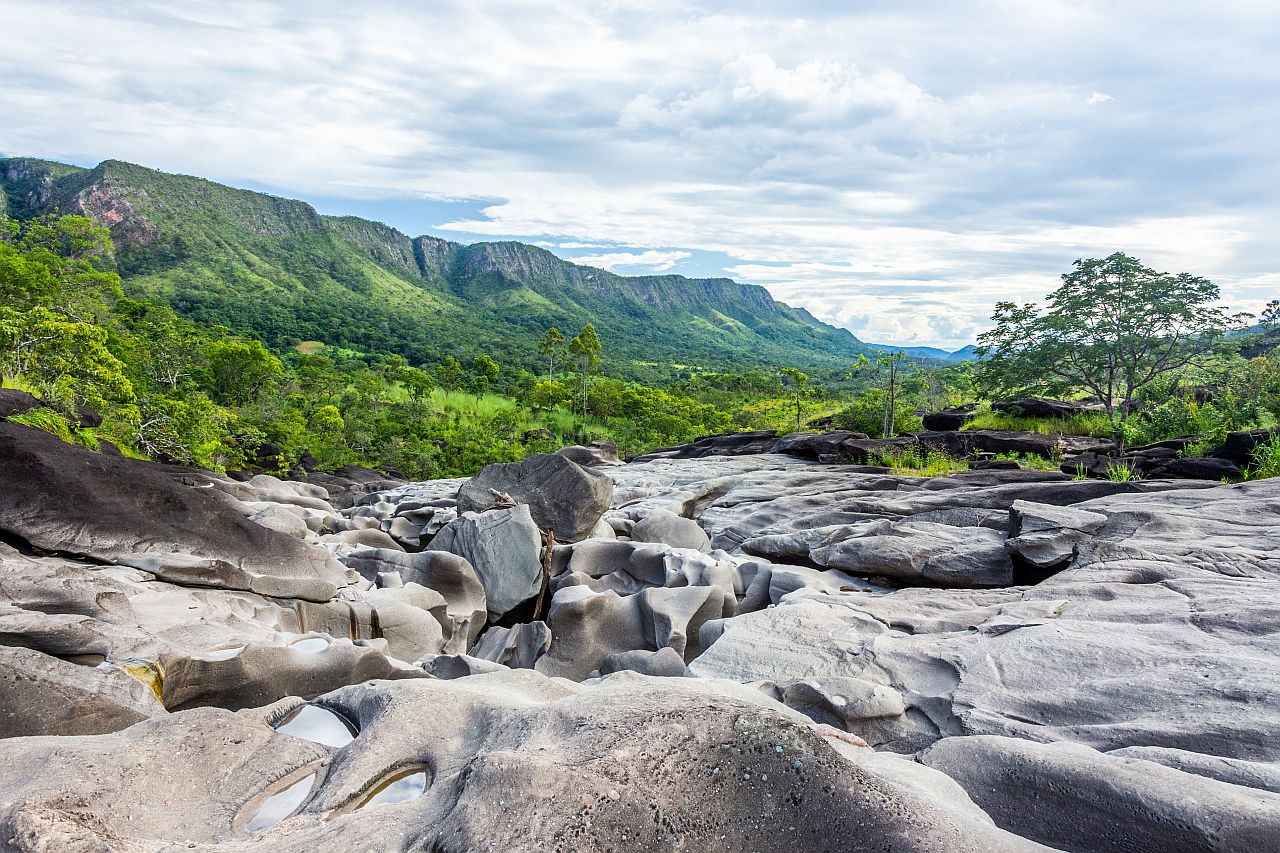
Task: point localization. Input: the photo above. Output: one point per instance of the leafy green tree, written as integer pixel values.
(418, 383)
(799, 384)
(549, 394)
(52, 262)
(888, 366)
(1111, 328)
(552, 347)
(449, 373)
(585, 349)
(240, 370)
(484, 370)
(68, 361)
(318, 377)
(1269, 319)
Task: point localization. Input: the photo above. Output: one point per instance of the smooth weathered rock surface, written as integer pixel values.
(563, 497)
(1101, 654)
(63, 498)
(44, 695)
(517, 762)
(504, 547)
(670, 529)
(1076, 798)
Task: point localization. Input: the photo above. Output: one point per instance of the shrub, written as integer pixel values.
(1122, 472)
(1266, 461)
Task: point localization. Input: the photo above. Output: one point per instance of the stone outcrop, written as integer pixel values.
(504, 547)
(62, 498)
(563, 497)
(748, 650)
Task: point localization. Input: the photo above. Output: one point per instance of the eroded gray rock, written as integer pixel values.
(1073, 797)
(504, 547)
(563, 497)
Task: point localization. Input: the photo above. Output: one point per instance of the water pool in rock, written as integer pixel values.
(223, 654)
(281, 804)
(319, 725)
(311, 644)
(401, 787)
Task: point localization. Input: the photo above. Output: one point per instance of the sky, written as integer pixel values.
(896, 168)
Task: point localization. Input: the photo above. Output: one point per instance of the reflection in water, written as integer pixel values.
(88, 659)
(311, 644)
(400, 788)
(319, 725)
(280, 805)
(223, 654)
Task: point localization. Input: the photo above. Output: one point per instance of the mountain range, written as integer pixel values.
(277, 269)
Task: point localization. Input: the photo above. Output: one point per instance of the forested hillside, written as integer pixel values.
(276, 269)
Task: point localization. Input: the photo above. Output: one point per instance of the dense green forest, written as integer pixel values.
(170, 387)
(174, 389)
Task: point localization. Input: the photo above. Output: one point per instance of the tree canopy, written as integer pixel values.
(1111, 328)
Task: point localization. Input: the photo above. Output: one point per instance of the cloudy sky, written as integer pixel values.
(896, 172)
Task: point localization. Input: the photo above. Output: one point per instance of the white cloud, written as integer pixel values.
(651, 259)
(894, 172)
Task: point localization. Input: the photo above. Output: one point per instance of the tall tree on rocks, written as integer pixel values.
(551, 347)
(1111, 328)
(585, 349)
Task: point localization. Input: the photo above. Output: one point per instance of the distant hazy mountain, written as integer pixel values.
(965, 353)
(276, 268)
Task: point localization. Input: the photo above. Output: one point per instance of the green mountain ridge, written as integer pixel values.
(276, 268)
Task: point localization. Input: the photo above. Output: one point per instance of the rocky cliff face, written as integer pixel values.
(182, 229)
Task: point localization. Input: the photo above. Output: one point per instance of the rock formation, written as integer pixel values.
(733, 649)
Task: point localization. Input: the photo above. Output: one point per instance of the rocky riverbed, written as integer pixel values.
(691, 652)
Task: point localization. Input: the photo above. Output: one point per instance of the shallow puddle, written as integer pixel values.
(281, 805)
(319, 725)
(89, 659)
(398, 788)
(223, 654)
(311, 644)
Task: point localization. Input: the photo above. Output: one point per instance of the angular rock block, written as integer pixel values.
(504, 547)
(562, 496)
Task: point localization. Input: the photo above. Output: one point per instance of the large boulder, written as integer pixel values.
(588, 626)
(59, 497)
(448, 574)
(1046, 445)
(1047, 536)
(562, 496)
(504, 547)
(15, 402)
(44, 695)
(950, 419)
(1239, 446)
(1042, 407)
(913, 552)
(725, 444)
(827, 447)
(670, 529)
(597, 454)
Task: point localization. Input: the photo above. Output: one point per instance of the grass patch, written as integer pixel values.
(1266, 461)
(1031, 461)
(1093, 424)
(1122, 472)
(58, 424)
(910, 463)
